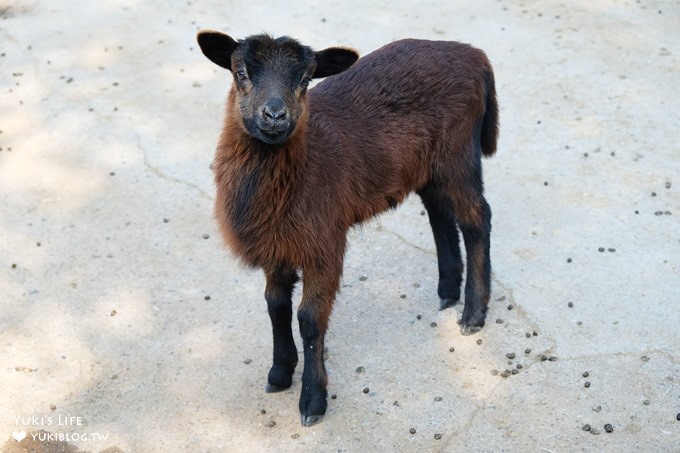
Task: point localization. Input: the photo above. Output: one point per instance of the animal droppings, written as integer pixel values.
(366, 390)
(609, 428)
(412, 430)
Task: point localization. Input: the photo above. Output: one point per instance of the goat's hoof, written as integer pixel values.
(272, 388)
(446, 302)
(310, 420)
(469, 330)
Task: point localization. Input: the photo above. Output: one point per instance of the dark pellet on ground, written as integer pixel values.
(451, 349)
(263, 411)
(600, 249)
(668, 185)
(528, 335)
(568, 260)
(14, 265)
(510, 307)
(271, 424)
(499, 321)
(437, 436)
(527, 351)
(510, 355)
(412, 430)
(611, 249)
(544, 357)
(402, 296)
(519, 366)
(570, 305)
(545, 183)
(677, 417)
(366, 390)
(360, 369)
(609, 428)
(535, 333)
(586, 384)
(206, 298)
(206, 236)
(433, 324)
(438, 398)
(479, 341)
(585, 374)
(419, 317)
(654, 194)
(505, 373)
(363, 278)
(585, 427)
(248, 361)
(334, 396)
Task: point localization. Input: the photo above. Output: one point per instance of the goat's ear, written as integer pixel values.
(333, 61)
(217, 46)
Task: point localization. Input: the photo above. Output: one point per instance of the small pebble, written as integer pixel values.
(611, 250)
(644, 358)
(479, 341)
(366, 390)
(438, 398)
(528, 335)
(505, 373)
(677, 416)
(600, 249)
(514, 371)
(654, 194)
(206, 298)
(568, 260)
(668, 185)
(433, 324)
(570, 305)
(586, 384)
(412, 430)
(586, 427)
(510, 355)
(544, 357)
(402, 296)
(510, 307)
(451, 349)
(527, 351)
(519, 366)
(248, 361)
(609, 428)
(499, 321)
(206, 236)
(437, 436)
(363, 278)
(419, 317)
(646, 402)
(535, 333)
(263, 411)
(585, 374)
(597, 408)
(360, 369)
(53, 407)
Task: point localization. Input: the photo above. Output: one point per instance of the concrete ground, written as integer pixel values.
(126, 326)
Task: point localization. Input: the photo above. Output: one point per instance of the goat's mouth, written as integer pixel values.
(274, 134)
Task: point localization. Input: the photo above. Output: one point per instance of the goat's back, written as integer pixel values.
(406, 88)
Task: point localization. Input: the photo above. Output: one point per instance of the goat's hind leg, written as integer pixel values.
(280, 284)
(443, 222)
(475, 224)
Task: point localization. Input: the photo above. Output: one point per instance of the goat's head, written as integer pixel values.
(271, 77)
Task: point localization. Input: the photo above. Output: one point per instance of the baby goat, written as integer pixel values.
(295, 170)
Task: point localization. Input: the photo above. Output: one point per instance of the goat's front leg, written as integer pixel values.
(313, 315)
(280, 283)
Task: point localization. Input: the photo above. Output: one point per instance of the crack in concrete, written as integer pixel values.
(162, 175)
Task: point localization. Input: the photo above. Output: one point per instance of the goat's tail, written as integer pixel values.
(489, 134)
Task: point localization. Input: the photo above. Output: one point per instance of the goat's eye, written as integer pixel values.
(305, 82)
(241, 76)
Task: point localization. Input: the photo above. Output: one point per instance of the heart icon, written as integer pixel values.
(19, 435)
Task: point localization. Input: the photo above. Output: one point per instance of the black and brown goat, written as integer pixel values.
(295, 170)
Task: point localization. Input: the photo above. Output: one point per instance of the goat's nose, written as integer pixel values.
(275, 109)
